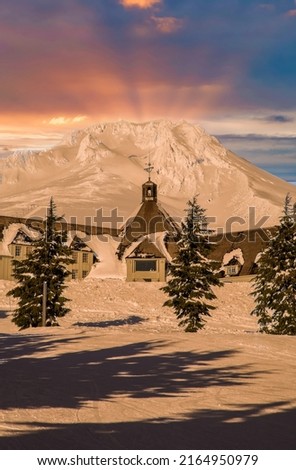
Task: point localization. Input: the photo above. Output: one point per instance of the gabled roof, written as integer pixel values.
(234, 261)
(145, 249)
(152, 245)
(78, 244)
(151, 218)
(250, 242)
(18, 232)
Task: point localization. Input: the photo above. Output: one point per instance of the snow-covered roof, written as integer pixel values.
(156, 239)
(234, 254)
(104, 246)
(11, 232)
(150, 218)
(109, 266)
(258, 256)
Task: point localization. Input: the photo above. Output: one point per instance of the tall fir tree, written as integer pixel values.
(192, 273)
(275, 281)
(46, 263)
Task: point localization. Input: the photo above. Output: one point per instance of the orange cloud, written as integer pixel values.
(167, 24)
(62, 120)
(139, 3)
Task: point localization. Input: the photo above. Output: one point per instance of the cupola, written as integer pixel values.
(149, 191)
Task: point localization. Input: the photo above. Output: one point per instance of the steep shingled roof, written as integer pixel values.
(251, 242)
(151, 218)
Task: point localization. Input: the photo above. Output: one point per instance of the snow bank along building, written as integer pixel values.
(141, 250)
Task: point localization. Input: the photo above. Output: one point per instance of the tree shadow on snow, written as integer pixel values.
(136, 370)
(131, 320)
(35, 373)
(246, 427)
(3, 314)
(18, 347)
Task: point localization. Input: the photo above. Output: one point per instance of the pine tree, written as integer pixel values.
(275, 281)
(46, 263)
(192, 273)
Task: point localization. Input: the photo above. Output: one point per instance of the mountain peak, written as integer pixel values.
(102, 166)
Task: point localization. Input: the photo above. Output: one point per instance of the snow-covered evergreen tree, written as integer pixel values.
(47, 262)
(275, 281)
(192, 273)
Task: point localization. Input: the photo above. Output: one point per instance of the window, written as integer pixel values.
(28, 250)
(18, 250)
(74, 273)
(145, 265)
(75, 256)
(85, 257)
(84, 274)
(232, 270)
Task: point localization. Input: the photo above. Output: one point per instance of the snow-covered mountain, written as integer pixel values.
(103, 167)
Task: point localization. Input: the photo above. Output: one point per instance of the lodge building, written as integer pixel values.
(142, 249)
(148, 241)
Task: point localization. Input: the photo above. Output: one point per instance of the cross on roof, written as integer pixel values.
(149, 168)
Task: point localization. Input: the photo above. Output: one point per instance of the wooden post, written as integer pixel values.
(44, 302)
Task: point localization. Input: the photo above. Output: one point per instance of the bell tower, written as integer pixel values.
(149, 189)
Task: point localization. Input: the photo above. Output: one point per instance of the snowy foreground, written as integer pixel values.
(119, 374)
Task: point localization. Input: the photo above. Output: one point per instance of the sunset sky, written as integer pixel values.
(227, 65)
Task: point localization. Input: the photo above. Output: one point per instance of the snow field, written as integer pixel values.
(108, 305)
(119, 374)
